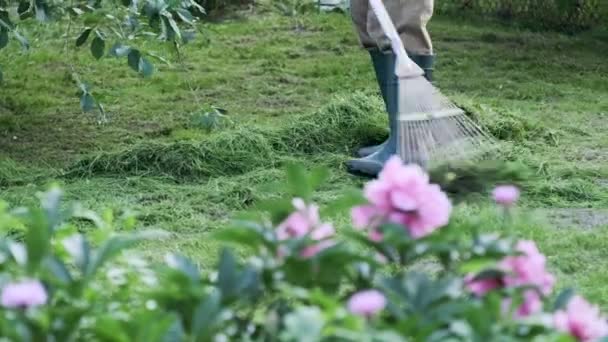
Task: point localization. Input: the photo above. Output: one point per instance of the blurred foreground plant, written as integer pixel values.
(302, 280)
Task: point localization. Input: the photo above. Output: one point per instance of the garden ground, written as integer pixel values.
(306, 96)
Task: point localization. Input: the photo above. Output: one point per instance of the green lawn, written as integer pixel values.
(306, 96)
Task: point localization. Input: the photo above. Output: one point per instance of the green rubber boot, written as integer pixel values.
(384, 64)
(424, 61)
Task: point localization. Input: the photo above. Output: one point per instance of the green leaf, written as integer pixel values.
(126, 3)
(5, 20)
(50, 201)
(119, 50)
(205, 315)
(58, 269)
(133, 59)
(23, 9)
(174, 27)
(489, 274)
(279, 209)
(241, 235)
(1, 76)
(297, 180)
(37, 239)
(87, 102)
(348, 200)
(563, 298)
(318, 176)
(3, 38)
(476, 265)
(108, 250)
(84, 35)
(185, 15)
(40, 9)
(24, 43)
(98, 47)
(107, 328)
(303, 324)
(145, 67)
(182, 264)
(227, 273)
(79, 249)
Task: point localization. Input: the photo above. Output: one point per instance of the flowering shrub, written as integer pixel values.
(303, 279)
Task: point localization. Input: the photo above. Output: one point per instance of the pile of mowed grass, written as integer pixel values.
(340, 126)
(13, 173)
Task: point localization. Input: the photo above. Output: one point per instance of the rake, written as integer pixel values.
(431, 129)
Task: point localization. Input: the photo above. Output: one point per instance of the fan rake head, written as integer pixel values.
(433, 131)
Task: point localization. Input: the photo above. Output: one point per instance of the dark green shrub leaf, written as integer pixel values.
(175, 28)
(205, 315)
(23, 9)
(562, 299)
(185, 15)
(84, 35)
(145, 67)
(3, 38)
(5, 20)
(227, 273)
(489, 274)
(133, 59)
(126, 3)
(98, 47)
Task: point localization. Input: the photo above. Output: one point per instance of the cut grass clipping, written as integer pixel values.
(339, 127)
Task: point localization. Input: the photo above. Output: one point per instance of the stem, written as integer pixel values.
(70, 61)
(180, 60)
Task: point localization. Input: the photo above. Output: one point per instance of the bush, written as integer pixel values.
(302, 281)
(563, 15)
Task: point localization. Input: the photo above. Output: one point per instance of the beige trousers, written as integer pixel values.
(410, 18)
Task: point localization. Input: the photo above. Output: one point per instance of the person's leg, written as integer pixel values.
(384, 65)
(410, 18)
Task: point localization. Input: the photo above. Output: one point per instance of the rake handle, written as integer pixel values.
(404, 67)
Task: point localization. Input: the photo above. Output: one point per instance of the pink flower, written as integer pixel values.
(29, 293)
(529, 268)
(582, 320)
(366, 303)
(526, 269)
(305, 221)
(506, 195)
(403, 195)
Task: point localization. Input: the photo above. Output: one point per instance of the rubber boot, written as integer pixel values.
(424, 61)
(384, 63)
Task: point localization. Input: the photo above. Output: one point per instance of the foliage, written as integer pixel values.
(296, 285)
(107, 28)
(566, 15)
